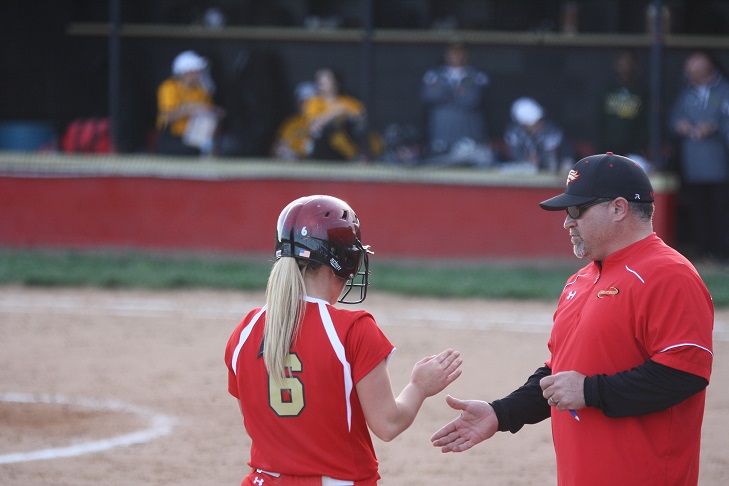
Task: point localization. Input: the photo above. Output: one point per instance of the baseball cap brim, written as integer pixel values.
(563, 201)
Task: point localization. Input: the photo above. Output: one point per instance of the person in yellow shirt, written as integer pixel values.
(293, 140)
(336, 121)
(183, 99)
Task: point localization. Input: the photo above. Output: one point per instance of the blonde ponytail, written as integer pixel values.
(286, 305)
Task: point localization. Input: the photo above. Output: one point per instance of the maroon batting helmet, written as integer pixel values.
(325, 230)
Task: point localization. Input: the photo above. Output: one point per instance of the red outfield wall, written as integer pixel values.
(404, 218)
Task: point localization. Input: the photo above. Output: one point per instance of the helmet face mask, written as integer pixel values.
(360, 279)
(325, 230)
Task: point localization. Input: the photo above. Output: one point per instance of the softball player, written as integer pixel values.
(310, 377)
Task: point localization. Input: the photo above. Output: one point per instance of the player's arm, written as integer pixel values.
(648, 388)
(387, 416)
(526, 405)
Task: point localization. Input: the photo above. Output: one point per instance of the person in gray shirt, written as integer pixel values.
(453, 94)
(700, 121)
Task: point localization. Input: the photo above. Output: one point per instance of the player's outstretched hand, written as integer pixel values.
(433, 373)
(476, 423)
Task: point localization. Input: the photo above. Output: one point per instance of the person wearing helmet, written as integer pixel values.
(186, 114)
(310, 378)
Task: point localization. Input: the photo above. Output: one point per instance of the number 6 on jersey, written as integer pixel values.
(287, 399)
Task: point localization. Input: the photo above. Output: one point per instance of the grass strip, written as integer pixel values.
(490, 280)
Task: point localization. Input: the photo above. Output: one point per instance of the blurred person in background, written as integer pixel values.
(533, 139)
(337, 121)
(453, 94)
(293, 140)
(623, 121)
(700, 121)
(187, 117)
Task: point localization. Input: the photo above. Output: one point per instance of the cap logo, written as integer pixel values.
(572, 176)
(637, 197)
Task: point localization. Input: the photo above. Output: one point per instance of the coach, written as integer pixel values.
(630, 348)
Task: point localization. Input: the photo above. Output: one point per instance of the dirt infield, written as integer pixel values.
(129, 387)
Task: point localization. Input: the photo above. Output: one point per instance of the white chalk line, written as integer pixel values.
(159, 307)
(124, 307)
(159, 425)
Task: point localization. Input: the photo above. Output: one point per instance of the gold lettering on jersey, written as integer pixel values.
(608, 292)
(287, 398)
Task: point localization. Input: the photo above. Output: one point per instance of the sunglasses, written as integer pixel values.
(575, 212)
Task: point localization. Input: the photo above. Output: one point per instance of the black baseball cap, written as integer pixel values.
(600, 176)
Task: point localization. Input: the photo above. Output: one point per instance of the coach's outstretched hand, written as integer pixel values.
(476, 423)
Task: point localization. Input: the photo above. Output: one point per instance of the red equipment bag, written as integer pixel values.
(88, 135)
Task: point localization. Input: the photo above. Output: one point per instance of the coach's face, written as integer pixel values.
(590, 231)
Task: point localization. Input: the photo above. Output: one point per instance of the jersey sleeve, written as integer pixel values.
(366, 346)
(229, 349)
(678, 333)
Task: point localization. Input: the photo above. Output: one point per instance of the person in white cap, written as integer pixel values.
(531, 137)
(186, 96)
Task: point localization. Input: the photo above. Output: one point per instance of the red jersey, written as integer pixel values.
(315, 425)
(643, 302)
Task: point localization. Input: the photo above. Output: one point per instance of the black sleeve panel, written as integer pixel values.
(650, 387)
(525, 405)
